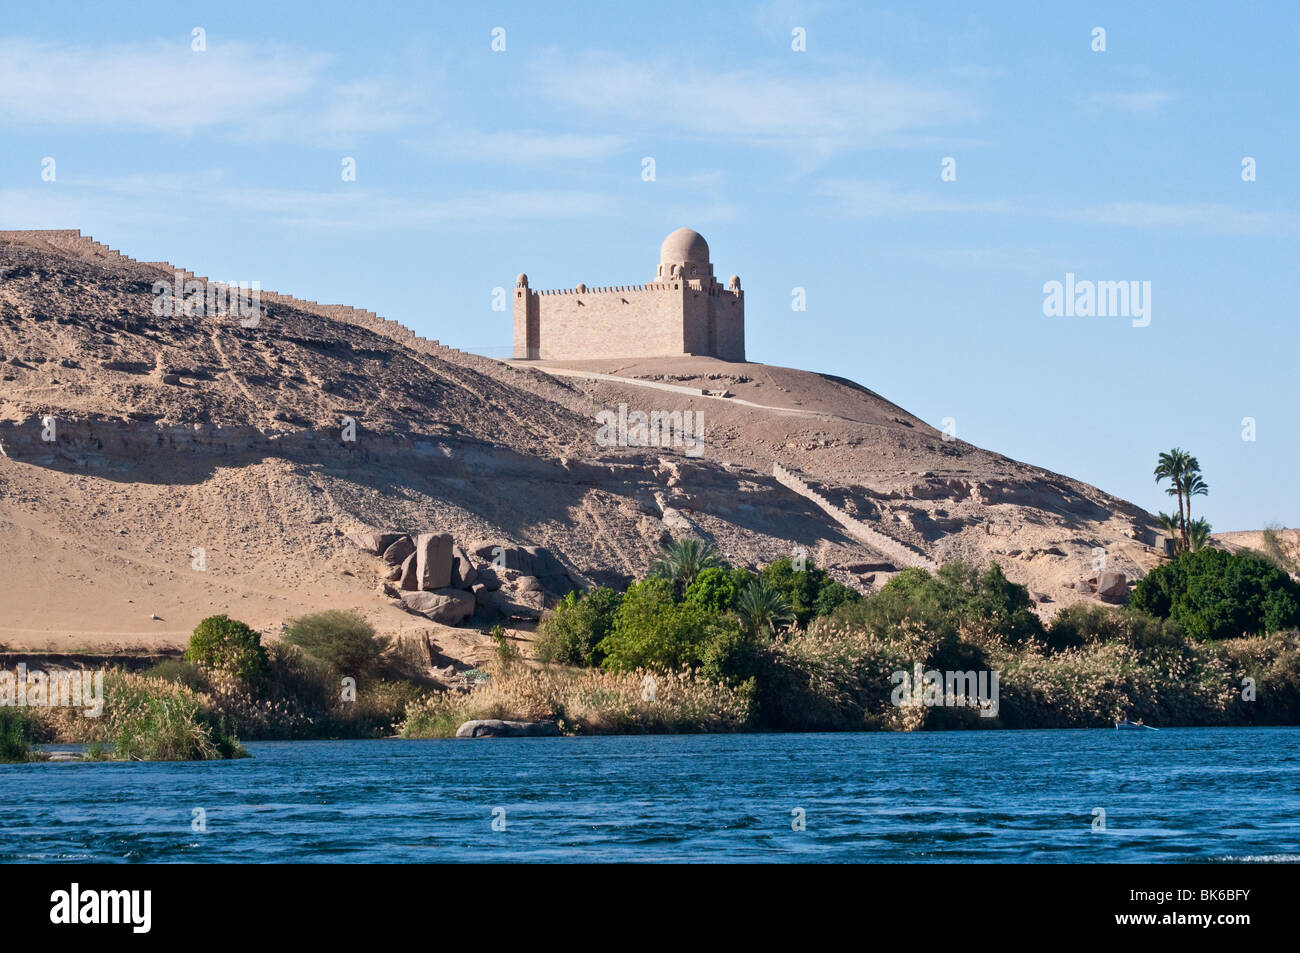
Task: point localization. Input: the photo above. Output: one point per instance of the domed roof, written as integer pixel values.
(685, 244)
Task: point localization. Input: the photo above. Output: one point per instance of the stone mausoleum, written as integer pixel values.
(684, 310)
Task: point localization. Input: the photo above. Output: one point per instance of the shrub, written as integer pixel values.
(717, 589)
(227, 647)
(17, 736)
(810, 591)
(570, 635)
(730, 657)
(651, 630)
(1215, 594)
(344, 641)
(956, 603)
(178, 670)
(148, 719)
(1082, 624)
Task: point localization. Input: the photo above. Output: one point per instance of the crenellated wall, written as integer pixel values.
(660, 319)
(71, 240)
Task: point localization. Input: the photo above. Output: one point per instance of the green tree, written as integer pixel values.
(653, 630)
(228, 647)
(571, 635)
(1215, 594)
(717, 589)
(763, 608)
(1183, 472)
(1198, 534)
(684, 559)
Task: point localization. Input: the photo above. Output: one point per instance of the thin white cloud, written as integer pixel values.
(265, 92)
(524, 148)
(820, 114)
(1212, 217)
(870, 199)
(149, 200)
(873, 198)
(1141, 102)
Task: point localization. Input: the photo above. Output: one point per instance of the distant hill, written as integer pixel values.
(185, 431)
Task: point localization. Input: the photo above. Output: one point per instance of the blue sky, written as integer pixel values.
(815, 169)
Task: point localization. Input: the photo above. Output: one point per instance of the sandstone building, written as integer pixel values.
(683, 311)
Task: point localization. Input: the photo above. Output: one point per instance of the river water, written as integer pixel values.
(1203, 794)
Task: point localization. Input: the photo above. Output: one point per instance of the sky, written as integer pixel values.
(917, 174)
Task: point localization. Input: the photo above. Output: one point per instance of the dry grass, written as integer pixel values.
(586, 701)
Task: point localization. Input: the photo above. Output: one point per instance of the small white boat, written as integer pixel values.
(1127, 725)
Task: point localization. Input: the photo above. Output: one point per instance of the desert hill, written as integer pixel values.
(182, 431)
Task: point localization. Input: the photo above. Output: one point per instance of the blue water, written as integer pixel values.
(1206, 794)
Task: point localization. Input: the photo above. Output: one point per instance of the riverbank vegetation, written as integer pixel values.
(1209, 638)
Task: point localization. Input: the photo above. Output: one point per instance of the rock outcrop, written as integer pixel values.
(496, 728)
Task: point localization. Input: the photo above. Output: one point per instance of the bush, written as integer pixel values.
(1082, 624)
(227, 647)
(570, 635)
(148, 719)
(810, 591)
(651, 630)
(717, 589)
(17, 736)
(956, 603)
(344, 641)
(180, 671)
(730, 657)
(1215, 594)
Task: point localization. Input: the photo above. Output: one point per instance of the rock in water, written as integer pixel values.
(496, 728)
(433, 561)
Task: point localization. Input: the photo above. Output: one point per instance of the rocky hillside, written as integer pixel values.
(158, 467)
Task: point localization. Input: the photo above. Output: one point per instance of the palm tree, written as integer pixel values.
(1171, 525)
(684, 559)
(1174, 465)
(1194, 485)
(1199, 534)
(762, 607)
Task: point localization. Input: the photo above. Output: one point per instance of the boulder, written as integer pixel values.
(526, 560)
(396, 554)
(372, 541)
(463, 574)
(408, 580)
(445, 606)
(496, 728)
(393, 574)
(528, 584)
(1112, 586)
(498, 604)
(487, 577)
(433, 561)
